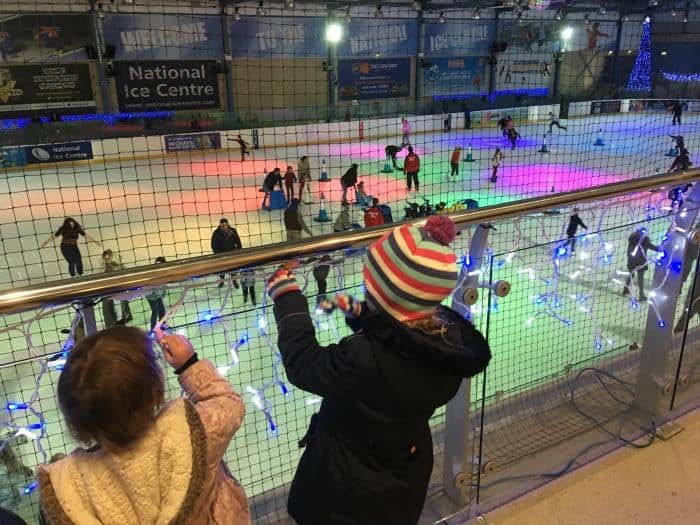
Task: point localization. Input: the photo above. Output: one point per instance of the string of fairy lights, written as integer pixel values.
(25, 419)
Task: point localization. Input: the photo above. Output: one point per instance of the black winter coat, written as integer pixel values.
(369, 452)
(350, 177)
(222, 242)
(574, 222)
(637, 251)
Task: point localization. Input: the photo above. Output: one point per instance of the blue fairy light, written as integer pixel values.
(17, 406)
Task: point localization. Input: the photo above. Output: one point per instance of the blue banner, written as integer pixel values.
(377, 78)
(369, 37)
(462, 38)
(455, 76)
(12, 156)
(62, 152)
(193, 141)
(164, 37)
(276, 37)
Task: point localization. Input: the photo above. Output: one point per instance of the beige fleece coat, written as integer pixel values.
(173, 475)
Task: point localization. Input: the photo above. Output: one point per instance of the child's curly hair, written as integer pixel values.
(111, 388)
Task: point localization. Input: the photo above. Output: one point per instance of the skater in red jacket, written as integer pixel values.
(411, 166)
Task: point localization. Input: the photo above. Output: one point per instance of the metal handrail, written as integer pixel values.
(89, 287)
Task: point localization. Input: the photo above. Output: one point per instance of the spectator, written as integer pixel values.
(153, 463)
(69, 232)
(446, 119)
(349, 180)
(373, 215)
(289, 179)
(342, 223)
(405, 131)
(225, 239)
(411, 166)
(637, 245)
(272, 179)
(294, 221)
(380, 386)
(155, 299)
(112, 264)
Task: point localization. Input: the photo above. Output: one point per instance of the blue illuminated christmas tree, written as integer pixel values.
(640, 78)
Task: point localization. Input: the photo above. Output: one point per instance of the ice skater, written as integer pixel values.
(554, 122)
(69, 232)
(637, 245)
(305, 178)
(681, 162)
(454, 161)
(244, 146)
(248, 285)
(513, 136)
(679, 142)
(361, 197)
(496, 162)
(446, 120)
(272, 179)
(225, 239)
(321, 271)
(155, 300)
(112, 264)
(349, 180)
(677, 110)
(411, 165)
(574, 222)
(391, 151)
(289, 179)
(405, 130)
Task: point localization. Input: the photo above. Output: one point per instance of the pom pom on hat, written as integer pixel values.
(441, 229)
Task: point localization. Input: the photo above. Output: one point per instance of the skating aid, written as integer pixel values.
(673, 152)
(388, 168)
(324, 172)
(599, 141)
(322, 213)
(544, 148)
(469, 157)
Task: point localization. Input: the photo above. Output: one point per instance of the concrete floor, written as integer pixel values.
(656, 485)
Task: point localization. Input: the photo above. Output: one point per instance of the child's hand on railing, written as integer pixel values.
(282, 281)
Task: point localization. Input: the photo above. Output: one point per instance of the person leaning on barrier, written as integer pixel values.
(369, 452)
(148, 462)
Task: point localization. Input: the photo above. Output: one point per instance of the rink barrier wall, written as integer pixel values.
(154, 147)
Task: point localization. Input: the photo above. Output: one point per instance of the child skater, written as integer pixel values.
(69, 232)
(248, 285)
(496, 162)
(574, 223)
(289, 179)
(155, 299)
(244, 146)
(148, 462)
(369, 452)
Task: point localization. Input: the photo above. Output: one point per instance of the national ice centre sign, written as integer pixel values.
(167, 85)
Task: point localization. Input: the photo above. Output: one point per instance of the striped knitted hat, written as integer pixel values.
(411, 270)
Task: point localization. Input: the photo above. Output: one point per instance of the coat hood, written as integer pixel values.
(157, 481)
(443, 359)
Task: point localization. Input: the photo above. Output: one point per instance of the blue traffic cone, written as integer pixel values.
(322, 213)
(544, 148)
(470, 156)
(599, 141)
(324, 172)
(673, 152)
(388, 168)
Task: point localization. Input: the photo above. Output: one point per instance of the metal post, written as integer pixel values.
(87, 311)
(616, 53)
(493, 60)
(228, 76)
(332, 81)
(557, 74)
(420, 55)
(656, 368)
(101, 73)
(456, 466)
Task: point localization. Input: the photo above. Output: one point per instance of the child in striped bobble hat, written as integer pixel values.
(369, 452)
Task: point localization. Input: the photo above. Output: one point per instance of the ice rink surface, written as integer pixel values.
(169, 206)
